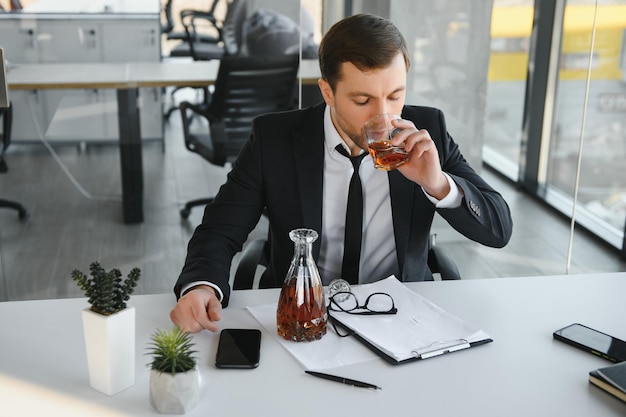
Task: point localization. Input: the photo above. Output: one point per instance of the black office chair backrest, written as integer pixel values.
(232, 27)
(168, 25)
(245, 88)
(6, 112)
(6, 115)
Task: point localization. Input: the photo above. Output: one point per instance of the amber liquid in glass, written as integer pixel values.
(387, 156)
(301, 314)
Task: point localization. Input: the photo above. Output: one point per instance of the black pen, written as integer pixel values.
(343, 380)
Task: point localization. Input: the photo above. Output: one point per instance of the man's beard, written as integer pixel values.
(357, 137)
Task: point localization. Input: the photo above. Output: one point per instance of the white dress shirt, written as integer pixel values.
(378, 247)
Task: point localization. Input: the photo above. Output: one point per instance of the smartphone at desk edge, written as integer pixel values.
(593, 341)
(238, 348)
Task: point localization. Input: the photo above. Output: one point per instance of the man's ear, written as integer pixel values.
(327, 92)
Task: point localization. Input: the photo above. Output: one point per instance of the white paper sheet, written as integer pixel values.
(330, 351)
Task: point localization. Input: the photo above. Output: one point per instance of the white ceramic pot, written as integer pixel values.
(174, 394)
(110, 344)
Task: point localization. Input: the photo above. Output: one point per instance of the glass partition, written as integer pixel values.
(449, 47)
(478, 75)
(590, 117)
(511, 26)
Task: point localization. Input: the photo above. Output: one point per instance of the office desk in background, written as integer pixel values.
(126, 79)
(524, 372)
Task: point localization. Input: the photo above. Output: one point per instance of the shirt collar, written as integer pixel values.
(332, 137)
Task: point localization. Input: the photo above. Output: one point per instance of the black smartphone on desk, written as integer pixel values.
(238, 348)
(593, 341)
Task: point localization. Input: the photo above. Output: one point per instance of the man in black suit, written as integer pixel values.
(291, 166)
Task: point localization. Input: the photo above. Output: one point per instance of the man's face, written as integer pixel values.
(359, 96)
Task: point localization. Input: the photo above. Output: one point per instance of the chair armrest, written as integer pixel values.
(440, 261)
(193, 14)
(253, 255)
(194, 108)
(188, 18)
(186, 119)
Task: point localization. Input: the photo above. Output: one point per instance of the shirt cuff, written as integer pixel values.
(452, 200)
(187, 287)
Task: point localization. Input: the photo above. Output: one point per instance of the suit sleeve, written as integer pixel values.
(226, 224)
(484, 215)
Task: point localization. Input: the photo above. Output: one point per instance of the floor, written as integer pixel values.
(74, 200)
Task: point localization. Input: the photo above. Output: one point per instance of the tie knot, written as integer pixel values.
(356, 160)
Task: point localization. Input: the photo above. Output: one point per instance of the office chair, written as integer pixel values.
(257, 253)
(167, 27)
(228, 43)
(245, 88)
(6, 114)
(229, 33)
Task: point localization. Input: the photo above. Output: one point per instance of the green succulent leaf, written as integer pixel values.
(106, 291)
(172, 351)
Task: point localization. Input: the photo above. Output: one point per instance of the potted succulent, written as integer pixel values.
(174, 376)
(109, 327)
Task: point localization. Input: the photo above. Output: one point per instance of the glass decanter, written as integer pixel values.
(301, 313)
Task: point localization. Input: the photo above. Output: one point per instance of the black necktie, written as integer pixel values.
(354, 222)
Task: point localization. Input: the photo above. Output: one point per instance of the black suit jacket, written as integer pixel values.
(281, 168)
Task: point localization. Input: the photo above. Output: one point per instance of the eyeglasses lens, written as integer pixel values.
(379, 303)
(346, 301)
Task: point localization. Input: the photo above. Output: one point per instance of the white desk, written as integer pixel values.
(127, 78)
(524, 372)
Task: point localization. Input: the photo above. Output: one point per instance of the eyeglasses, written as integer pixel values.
(376, 303)
(346, 302)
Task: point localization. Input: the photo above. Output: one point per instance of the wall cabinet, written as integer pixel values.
(63, 38)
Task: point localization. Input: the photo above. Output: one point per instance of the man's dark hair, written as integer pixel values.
(365, 40)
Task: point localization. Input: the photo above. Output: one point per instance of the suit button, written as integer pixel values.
(474, 208)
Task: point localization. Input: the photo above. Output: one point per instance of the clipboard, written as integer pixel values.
(436, 348)
(420, 330)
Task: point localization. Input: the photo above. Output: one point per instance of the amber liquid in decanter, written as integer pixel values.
(301, 312)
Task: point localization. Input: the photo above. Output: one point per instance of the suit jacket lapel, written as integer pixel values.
(309, 167)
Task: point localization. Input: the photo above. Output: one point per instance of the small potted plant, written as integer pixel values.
(109, 327)
(174, 377)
